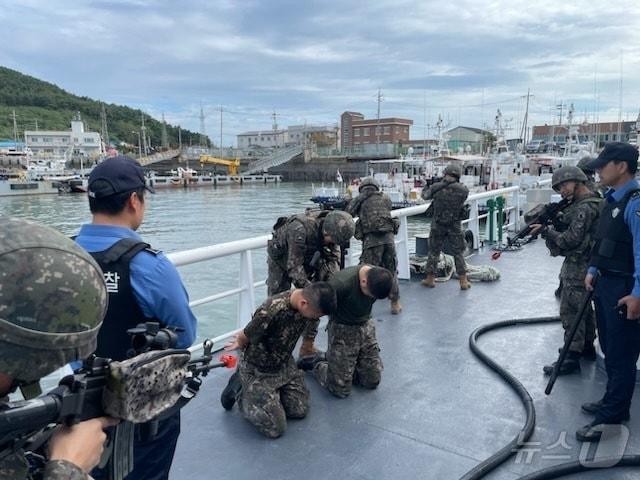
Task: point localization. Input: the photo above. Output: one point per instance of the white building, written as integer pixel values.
(264, 139)
(74, 142)
(293, 135)
(326, 135)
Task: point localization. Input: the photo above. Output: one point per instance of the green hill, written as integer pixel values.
(53, 108)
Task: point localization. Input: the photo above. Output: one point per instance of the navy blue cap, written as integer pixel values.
(119, 175)
(622, 152)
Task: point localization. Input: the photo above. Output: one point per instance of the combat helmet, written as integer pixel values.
(52, 300)
(453, 170)
(583, 165)
(369, 182)
(339, 226)
(565, 174)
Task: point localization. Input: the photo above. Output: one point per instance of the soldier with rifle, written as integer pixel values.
(52, 302)
(572, 236)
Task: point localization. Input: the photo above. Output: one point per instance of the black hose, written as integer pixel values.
(502, 455)
(498, 458)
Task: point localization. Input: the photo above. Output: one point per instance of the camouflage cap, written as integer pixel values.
(369, 182)
(453, 170)
(339, 226)
(52, 300)
(566, 174)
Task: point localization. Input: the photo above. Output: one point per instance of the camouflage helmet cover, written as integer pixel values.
(566, 174)
(453, 170)
(52, 300)
(583, 164)
(369, 182)
(339, 226)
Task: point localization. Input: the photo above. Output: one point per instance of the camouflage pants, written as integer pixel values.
(268, 399)
(570, 301)
(278, 281)
(383, 256)
(450, 237)
(353, 357)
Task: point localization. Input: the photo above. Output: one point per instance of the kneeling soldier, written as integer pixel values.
(353, 354)
(272, 388)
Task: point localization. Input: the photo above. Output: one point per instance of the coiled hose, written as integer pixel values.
(502, 455)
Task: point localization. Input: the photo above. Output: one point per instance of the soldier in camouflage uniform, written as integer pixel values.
(353, 355)
(573, 240)
(306, 248)
(376, 229)
(448, 197)
(272, 387)
(52, 302)
(591, 184)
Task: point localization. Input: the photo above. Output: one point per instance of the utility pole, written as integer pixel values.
(523, 133)
(379, 100)
(619, 138)
(179, 138)
(103, 123)
(143, 129)
(203, 138)
(274, 126)
(220, 131)
(164, 137)
(424, 126)
(15, 130)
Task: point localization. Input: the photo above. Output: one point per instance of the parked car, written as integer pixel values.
(535, 146)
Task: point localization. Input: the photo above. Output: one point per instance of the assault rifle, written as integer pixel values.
(543, 214)
(26, 426)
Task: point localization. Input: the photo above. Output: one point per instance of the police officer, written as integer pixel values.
(616, 259)
(573, 239)
(448, 198)
(52, 301)
(306, 248)
(376, 229)
(143, 285)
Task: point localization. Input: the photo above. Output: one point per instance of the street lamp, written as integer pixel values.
(139, 143)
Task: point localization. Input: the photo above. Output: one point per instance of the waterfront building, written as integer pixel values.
(358, 132)
(599, 133)
(74, 142)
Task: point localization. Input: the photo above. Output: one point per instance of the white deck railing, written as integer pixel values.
(246, 288)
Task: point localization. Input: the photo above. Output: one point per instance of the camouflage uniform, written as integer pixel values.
(273, 388)
(378, 242)
(448, 201)
(574, 242)
(291, 253)
(353, 354)
(52, 302)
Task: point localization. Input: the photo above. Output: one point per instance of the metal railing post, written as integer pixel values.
(246, 302)
(402, 249)
(474, 223)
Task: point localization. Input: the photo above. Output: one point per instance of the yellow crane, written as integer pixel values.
(232, 165)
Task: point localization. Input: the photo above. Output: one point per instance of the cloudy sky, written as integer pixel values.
(311, 60)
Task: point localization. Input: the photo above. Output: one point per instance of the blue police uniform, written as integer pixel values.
(160, 295)
(616, 257)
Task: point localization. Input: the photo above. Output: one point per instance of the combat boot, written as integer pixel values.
(309, 355)
(231, 391)
(571, 364)
(430, 281)
(464, 282)
(396, 308)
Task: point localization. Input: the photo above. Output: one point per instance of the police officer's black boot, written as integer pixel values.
(231, 391)
(589, 352)
(571, 364)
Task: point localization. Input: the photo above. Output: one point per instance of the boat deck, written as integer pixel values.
(438, 411)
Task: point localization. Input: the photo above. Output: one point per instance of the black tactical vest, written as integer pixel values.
(613, 250)
(123, 311)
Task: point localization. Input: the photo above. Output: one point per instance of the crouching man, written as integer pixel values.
(353, 354)
(271, 388)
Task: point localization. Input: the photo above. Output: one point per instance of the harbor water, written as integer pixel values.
(179, 219)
